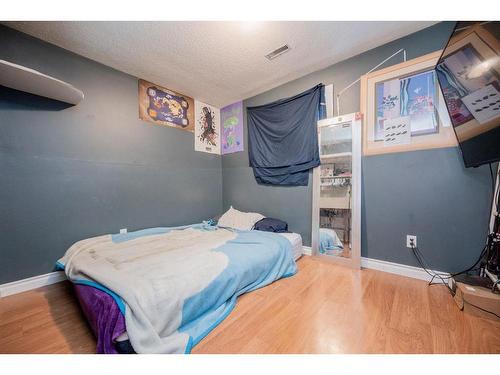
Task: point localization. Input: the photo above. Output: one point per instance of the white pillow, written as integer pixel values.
(233, 218)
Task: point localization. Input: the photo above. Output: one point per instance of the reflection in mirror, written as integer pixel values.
(469, 75)
(335, 190)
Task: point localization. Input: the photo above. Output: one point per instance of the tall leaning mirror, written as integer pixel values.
(336, 226)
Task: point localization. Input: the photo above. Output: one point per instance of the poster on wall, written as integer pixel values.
(414, 96)
(165, 107)
(231, 128)
(418, 99)
(207, 128)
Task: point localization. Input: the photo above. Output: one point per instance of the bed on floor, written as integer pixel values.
(162, 290)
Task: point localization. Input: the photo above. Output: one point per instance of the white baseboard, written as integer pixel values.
(399, 269)
(390, 267)
(34, 282)
(306, 250)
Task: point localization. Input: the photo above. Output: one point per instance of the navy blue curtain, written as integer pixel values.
(282, 138)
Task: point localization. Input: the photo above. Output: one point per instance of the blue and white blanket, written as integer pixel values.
(329, 240)
(177, 284)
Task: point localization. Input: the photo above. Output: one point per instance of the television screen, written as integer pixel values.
(468, 73)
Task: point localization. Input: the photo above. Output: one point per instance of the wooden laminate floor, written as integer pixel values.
(323, 309)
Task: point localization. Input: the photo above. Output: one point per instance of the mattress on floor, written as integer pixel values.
(296, 240)
(110, 329)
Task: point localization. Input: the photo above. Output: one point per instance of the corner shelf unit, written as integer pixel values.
(21, 78)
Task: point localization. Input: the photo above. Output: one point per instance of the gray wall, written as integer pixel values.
(68, 174)
(427, 193)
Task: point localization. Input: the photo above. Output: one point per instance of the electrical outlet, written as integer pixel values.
(410, 237)
(123, 230)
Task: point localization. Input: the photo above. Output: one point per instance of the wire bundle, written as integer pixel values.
(445, 278)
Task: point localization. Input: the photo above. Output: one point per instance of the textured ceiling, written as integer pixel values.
(217, 62)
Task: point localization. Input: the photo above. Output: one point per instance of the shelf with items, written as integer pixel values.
(340, 203)
(336, 169)
(338, 219)
(340, 155)
(338, 176)
(336, 183)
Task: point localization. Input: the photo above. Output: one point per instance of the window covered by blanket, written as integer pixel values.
(282, 139)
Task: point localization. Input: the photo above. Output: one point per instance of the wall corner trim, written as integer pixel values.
(34, 282)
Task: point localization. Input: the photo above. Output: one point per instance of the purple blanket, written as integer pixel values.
(103, 315)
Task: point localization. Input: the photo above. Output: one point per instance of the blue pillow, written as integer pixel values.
(269, 224)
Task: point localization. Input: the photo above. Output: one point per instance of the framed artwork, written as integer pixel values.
(413, 96)
(207, 128)
(467, 76)
(232, 128)
(162, 106)
(405, 95)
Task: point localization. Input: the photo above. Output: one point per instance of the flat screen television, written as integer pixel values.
(468, 73)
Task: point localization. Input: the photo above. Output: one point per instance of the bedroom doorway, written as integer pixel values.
(336, 226)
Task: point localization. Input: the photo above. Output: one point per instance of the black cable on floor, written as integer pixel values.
(421, 260)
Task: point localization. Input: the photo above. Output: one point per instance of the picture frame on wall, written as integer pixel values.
(405, 93)
(412, 96)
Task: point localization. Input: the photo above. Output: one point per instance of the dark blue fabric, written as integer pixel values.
(269, 224)
(282, 138)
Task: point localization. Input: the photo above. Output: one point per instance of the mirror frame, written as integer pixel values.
(355, 261)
